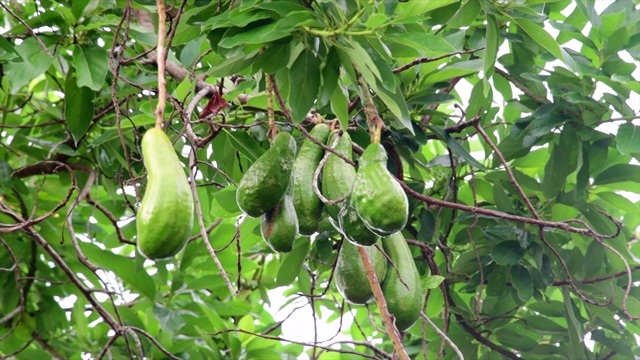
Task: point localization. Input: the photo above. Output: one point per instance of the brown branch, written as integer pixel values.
(387, 318)
(203, 230)
(496, 214)
(111, 218)
(29, 29)
(54, 167)
(2, 108)
(422, 60)
(517, 83)
(484, 341)
(70, 273)
(324, 146)
(596, 279)
(278, 338)
(46, 347)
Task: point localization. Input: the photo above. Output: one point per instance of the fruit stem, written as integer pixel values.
(270, 112)
(371, 112)
(387, 318)
(160, 59)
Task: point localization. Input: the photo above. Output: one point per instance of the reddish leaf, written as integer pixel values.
(215, 104)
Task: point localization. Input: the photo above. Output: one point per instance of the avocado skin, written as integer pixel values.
(279, 226)
(403, 303)
(353, 228)
(350, 275)
(164, 219)
(307, 204)
(265, 182)
(377, 197)
(337, 175)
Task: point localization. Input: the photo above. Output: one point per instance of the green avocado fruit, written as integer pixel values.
(267, 179)
(307, 204)
(353, 228)
(403, 301)
(376, 195)
(279, 226)
(337, 174)
(350, 275)
(165, 217)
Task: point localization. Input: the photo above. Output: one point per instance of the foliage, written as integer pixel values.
(523, 202)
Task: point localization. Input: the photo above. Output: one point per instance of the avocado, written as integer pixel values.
(279, 226)
(165, 217)
(404, 303)
(353, 228)
(307, 204)
(376, 195)
(337, 174)
(350, 275)
(263, 186)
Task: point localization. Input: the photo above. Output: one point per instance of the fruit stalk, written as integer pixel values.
(392, 330)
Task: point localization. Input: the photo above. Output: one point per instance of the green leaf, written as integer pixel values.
(540, 36)
(375, 20)
(522, 281)
(432, 281)
(456, 147)
(575, 346)
(292, 262)
(340, 106)
(223, 203)
(78, 106)
(507, 253)
(91, 64)
(432, 99)
(628, 139)
(457, 69)
(245, 144)
(467, 14)
(611, 22)
(170, 320)
(82, 7)
(491, 46)
(618, 173)
(305, 78)
(123, 267)
(33, 62)
(417, 8)
(555, 172)
(269, 32)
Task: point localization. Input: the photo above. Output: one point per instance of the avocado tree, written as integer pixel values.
(511, 127)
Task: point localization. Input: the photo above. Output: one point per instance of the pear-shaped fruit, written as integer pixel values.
(353, 228)
(165, 217)
(307, 204)
(337, 174)
(350, 275)
(279, 226)
(265, 182)
(376, 195)
(404, 300)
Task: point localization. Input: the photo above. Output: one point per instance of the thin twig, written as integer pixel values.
(316, 176)
(29, 29)
(444, 336)
(203, 229)
(422, 60)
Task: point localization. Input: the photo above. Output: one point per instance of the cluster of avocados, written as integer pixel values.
(279, 187)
